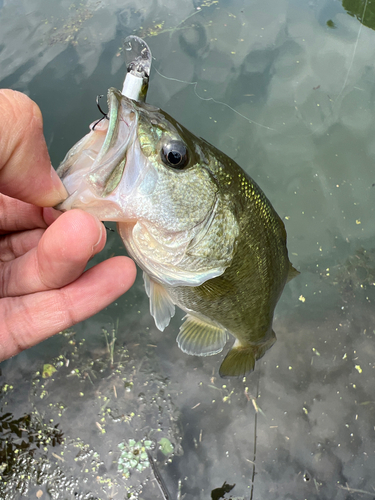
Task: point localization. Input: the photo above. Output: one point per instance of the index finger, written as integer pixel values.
(26, 172)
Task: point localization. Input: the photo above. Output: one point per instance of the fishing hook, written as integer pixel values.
(102, 112)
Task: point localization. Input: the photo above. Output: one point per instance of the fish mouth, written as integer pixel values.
(92, 170)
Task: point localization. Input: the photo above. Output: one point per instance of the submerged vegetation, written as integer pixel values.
(356, 275)
(71, 28)
(94, 415)
(23, 442)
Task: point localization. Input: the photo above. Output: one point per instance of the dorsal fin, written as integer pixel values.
(200, 337)
(162, 308)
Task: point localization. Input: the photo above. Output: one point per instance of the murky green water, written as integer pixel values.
(286, 88)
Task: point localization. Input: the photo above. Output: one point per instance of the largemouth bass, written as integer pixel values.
(204, 233)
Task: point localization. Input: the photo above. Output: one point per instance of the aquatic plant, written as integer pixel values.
(133, 456)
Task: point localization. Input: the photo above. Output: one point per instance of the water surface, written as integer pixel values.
(285, 88)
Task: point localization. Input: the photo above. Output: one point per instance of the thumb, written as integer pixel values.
(26, 172)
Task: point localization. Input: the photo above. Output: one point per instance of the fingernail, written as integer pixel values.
(50, 215)
(60, 192)
(101, 229)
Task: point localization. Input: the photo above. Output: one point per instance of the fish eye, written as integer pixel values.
(175, 154)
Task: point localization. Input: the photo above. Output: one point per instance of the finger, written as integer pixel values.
(15, 245)
(60, 257)
(15, 215)
(25, 321)
(25, 168)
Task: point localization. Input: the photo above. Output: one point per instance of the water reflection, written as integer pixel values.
(311, 90)
(363, 10)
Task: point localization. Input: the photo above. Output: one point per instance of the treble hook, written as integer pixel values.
(102, 112)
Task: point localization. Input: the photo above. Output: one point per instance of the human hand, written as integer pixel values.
(43, 286)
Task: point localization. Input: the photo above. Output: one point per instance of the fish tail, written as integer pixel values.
(240, 360)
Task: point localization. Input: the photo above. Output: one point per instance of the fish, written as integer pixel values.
(205, 235)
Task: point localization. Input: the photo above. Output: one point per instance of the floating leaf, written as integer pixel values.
(48, 370)
(165, 446)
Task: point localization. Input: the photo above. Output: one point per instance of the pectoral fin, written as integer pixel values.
(162, 308)
(200, 337)
(240, 360)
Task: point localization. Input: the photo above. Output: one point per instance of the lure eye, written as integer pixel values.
(175, 154)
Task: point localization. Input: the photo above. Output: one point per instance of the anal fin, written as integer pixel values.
(162, 308)
(200, 337)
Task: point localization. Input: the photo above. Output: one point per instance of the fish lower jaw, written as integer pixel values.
(104, 210)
